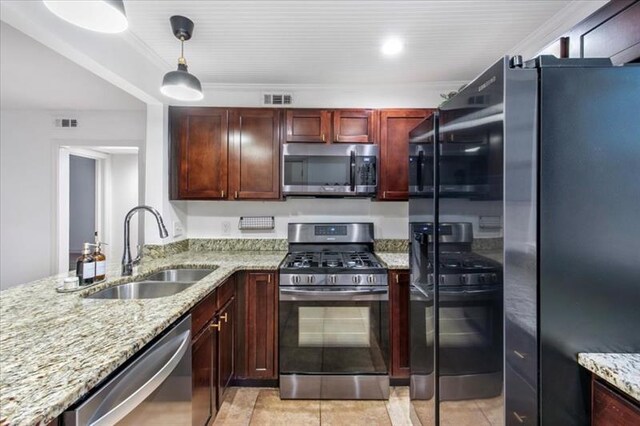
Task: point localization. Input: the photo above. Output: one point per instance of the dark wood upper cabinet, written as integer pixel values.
(254, 154)
(399, 323)
(355, 126)
(308, 125)
(199, 143)
(395, 125)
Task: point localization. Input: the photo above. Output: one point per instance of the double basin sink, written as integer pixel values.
(163, 283)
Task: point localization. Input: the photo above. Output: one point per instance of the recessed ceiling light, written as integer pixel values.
(392, 46)
(104, 16)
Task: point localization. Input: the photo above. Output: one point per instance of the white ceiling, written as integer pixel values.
(338, 42)
(35, 77)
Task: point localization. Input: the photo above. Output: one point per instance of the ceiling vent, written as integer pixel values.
(277, 99)
(66, 122)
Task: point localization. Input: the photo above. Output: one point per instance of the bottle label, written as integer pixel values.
(101, 268)
(88, 270)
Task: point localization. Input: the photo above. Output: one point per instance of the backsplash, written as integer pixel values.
(387, 245)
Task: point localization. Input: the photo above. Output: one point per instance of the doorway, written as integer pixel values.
(83, 184)
(98, 185)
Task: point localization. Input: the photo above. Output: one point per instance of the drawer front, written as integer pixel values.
(521, 353)
(611, 409)
(225, 292)
(203, 312)
(521, 405)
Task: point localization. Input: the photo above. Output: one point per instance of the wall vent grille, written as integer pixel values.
(66, 122)
(277, 99)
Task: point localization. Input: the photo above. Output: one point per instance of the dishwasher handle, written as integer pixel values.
(159, 375)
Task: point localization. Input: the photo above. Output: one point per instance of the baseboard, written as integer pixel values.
(255, 383)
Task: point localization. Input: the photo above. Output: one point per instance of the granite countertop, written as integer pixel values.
(620, 370)
(394, 260)
(56, 347)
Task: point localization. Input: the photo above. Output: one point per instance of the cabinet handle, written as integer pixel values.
(323, 138)
(384, 194)
(236, 194)
(222, 193)
(269, 278)
(224, 317)
(215, 326)
(520, 354)
(519, 418)
(397, 279)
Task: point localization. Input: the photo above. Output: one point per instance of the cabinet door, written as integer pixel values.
(254, 158)
(395, 126)
(355, 126)
(308, 125)
(203, 370)
(226, 348)
(261, 322)
(399, 310)
(199, 153)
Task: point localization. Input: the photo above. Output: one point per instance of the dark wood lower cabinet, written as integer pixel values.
(257, 352)
(611, 408)
(226, 348)
(399, 323)
(203, 373)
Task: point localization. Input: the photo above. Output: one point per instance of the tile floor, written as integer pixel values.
(263, 406)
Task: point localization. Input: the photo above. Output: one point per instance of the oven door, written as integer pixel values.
(334, 331)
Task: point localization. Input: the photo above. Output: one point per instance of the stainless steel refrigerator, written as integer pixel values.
(545, 157)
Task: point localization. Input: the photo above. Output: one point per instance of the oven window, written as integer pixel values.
(334, 327)
(334, 337)
(318, 170)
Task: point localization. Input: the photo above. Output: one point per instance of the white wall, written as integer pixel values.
(124, 196)
(28, 163)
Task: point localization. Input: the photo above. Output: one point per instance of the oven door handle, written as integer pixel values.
(293, 294)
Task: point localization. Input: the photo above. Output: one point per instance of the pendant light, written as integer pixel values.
(180, 84)
(104, 16)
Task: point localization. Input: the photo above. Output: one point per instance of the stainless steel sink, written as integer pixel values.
(181, 275)
(142, 290)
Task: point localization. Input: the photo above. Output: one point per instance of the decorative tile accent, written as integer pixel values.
(237, 244)
(620, 370)
(55, 347)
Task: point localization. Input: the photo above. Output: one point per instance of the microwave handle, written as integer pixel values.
(353, 171)
(420, 165)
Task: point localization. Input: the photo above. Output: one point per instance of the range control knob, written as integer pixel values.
(310, 279)
(295, 279)
(371, 279)
(332, 279)
(356, 279)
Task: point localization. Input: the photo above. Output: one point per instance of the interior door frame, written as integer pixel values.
(103, 192)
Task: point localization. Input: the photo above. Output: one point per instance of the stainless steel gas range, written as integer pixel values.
(334, 314)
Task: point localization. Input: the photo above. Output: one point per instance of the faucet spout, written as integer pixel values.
(127, 261)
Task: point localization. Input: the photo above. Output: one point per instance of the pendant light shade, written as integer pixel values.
(104, 16)
(180, 84)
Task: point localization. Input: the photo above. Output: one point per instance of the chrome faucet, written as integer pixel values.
(127, 263)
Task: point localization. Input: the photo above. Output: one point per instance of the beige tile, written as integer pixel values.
(237, 407)
(353, 413)
(271, 410)
(462, 413)
(493, 409)
(398, 406)
(422, 412)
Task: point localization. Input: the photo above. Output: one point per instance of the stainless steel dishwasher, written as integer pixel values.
(155, 389)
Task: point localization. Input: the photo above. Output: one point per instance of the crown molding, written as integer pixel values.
(254, 87)
(556, 26)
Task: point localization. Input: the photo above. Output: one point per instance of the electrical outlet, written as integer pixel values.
(177, 228)
(226, 228)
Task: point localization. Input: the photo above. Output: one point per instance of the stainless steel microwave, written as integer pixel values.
(329, 170)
